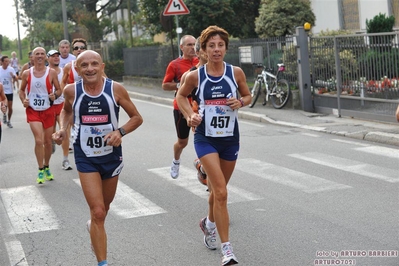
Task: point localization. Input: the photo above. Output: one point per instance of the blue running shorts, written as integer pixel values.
(106, 170)
(228, 152)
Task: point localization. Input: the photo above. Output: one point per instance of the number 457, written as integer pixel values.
(220, 121)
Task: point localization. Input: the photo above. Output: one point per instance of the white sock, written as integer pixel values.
(209, 224)
(176, 161)
(225, 244)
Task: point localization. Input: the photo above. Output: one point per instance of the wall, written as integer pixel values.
(325, 20)
(368, 9)
(327, 13)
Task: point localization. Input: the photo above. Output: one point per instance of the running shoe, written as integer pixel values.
(9, 124)
(174, 170)
(209, 235)
(200, 174)
(228, 255)
(48, 174)
(40, 177)
(66, 165)
(4, 118)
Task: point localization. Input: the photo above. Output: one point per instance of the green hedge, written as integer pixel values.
(114, 69)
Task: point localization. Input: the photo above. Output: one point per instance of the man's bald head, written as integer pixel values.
(89, 54)
(41, 49)
(89, 64)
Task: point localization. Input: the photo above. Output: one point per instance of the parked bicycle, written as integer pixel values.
(279, 90)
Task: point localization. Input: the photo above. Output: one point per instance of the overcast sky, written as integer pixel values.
(8, 20)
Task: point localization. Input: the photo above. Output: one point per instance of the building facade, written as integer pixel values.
(351, 14)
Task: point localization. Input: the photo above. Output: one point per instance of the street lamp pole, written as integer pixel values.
(19, 36)
(64, 19)
(130, 23)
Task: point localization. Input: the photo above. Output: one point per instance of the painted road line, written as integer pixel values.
(351, 166)
(130, 204)
(287, 177)
(383, 151)
(28, 210)
(15, 252)
(310, 135)
(352, 142)
(188, 180)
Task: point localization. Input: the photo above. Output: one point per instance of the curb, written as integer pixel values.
(373, 136)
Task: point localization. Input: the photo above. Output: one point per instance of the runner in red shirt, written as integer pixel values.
(171, 82)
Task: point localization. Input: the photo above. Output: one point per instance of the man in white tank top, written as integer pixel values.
(37, 96)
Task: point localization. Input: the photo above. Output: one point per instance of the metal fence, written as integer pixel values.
(152, 61)
(356, 74)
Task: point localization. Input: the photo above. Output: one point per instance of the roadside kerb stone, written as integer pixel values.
(383, 137)
(368, 135)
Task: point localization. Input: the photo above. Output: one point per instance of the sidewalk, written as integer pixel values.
(381, 132)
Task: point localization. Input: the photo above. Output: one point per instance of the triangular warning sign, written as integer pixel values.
(176, 7)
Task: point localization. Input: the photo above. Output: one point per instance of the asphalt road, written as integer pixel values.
(297, 197)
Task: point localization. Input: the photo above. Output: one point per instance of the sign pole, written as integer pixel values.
(178, 35)
(176, 7)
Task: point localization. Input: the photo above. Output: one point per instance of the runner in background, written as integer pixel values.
(79, 45)
(53, 57)
(7, 78)
(64, 47)
(37, 95)
(171, 82)
(14, 63)
(3, 104)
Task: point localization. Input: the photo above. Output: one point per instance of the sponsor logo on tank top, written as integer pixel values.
(94, 119)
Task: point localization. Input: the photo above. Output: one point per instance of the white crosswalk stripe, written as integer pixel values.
(383, 151)
(284, 176)
(352, 166)
(130, 204)
(15, 251)
(188, 180)
(28, 210)
(25, 210)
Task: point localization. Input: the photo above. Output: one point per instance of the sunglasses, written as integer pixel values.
(79, 47)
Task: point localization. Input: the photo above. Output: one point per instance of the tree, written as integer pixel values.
(151, 11)
(380, 23)
(87, 13)
(204, 13)
(280, 17)
(244, 27)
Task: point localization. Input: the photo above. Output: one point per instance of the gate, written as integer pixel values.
(356, 75)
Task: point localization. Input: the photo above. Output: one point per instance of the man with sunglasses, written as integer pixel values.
(70, 75)
(79, 45)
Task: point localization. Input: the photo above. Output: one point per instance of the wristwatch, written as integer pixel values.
(122, 131)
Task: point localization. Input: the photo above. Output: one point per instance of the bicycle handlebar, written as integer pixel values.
(281, 67)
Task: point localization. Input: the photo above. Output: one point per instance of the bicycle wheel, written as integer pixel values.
(280, 94)
(255, 92)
